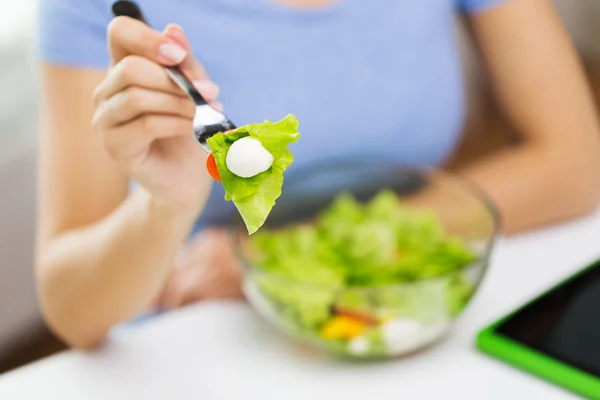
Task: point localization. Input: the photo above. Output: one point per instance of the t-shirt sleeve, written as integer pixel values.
(475, 6)
(73, 32)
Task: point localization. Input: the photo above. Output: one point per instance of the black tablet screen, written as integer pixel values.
(564, 323)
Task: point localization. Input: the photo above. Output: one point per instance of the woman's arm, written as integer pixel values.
(103, 255)
(554, 174)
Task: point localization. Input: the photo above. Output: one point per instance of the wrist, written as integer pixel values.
(186, 208)
(173, 213)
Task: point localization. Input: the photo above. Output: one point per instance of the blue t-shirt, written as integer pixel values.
(379, 77)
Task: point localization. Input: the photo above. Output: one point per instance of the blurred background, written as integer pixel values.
(23, 337)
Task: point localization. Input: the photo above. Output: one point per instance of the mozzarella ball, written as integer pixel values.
(247, 157)
(359, 346)
(402, 335)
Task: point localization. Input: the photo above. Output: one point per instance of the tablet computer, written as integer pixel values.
(556, 336)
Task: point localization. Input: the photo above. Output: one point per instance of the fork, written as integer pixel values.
(207, 121)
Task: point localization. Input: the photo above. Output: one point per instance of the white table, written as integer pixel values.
(223, 351)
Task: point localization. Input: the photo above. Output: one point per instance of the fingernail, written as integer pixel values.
(172, 27)
(217, 105)
(207, 88)
(175, 32)
(172, 53)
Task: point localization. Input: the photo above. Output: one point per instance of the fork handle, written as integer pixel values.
(126, 8)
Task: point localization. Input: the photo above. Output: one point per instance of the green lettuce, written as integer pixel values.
(302, 307)
(255, 197)
(308, 271)
(351, 246)
(357, 245)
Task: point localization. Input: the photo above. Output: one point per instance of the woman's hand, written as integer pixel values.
(107, 254)
(207, 269)
(145, 120)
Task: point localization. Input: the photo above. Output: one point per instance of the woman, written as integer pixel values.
(383, 78)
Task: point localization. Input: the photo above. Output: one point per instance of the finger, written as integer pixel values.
(196, 274)
(134, 102)
(208, 89)
(172, 296)
(220, 278)
(217, 105)
(165, 292)
(192, 289)
(219, 282)
(141, 72)
(128, 141)
(135, 71)
(190, 65)
(127, 36)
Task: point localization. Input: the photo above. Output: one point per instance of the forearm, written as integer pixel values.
(93, 278)
(554, 174)
(534, 186)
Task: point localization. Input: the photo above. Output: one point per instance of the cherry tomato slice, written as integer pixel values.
(366, 319)
(211, 166)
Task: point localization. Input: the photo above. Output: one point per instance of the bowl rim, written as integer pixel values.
(481, 260)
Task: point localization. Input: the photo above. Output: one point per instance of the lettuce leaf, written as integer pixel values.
(358, 245)
(255, 197)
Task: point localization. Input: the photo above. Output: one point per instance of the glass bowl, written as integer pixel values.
(374, 319)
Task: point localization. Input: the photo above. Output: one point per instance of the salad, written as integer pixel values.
(250, 162)
(371, 279)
